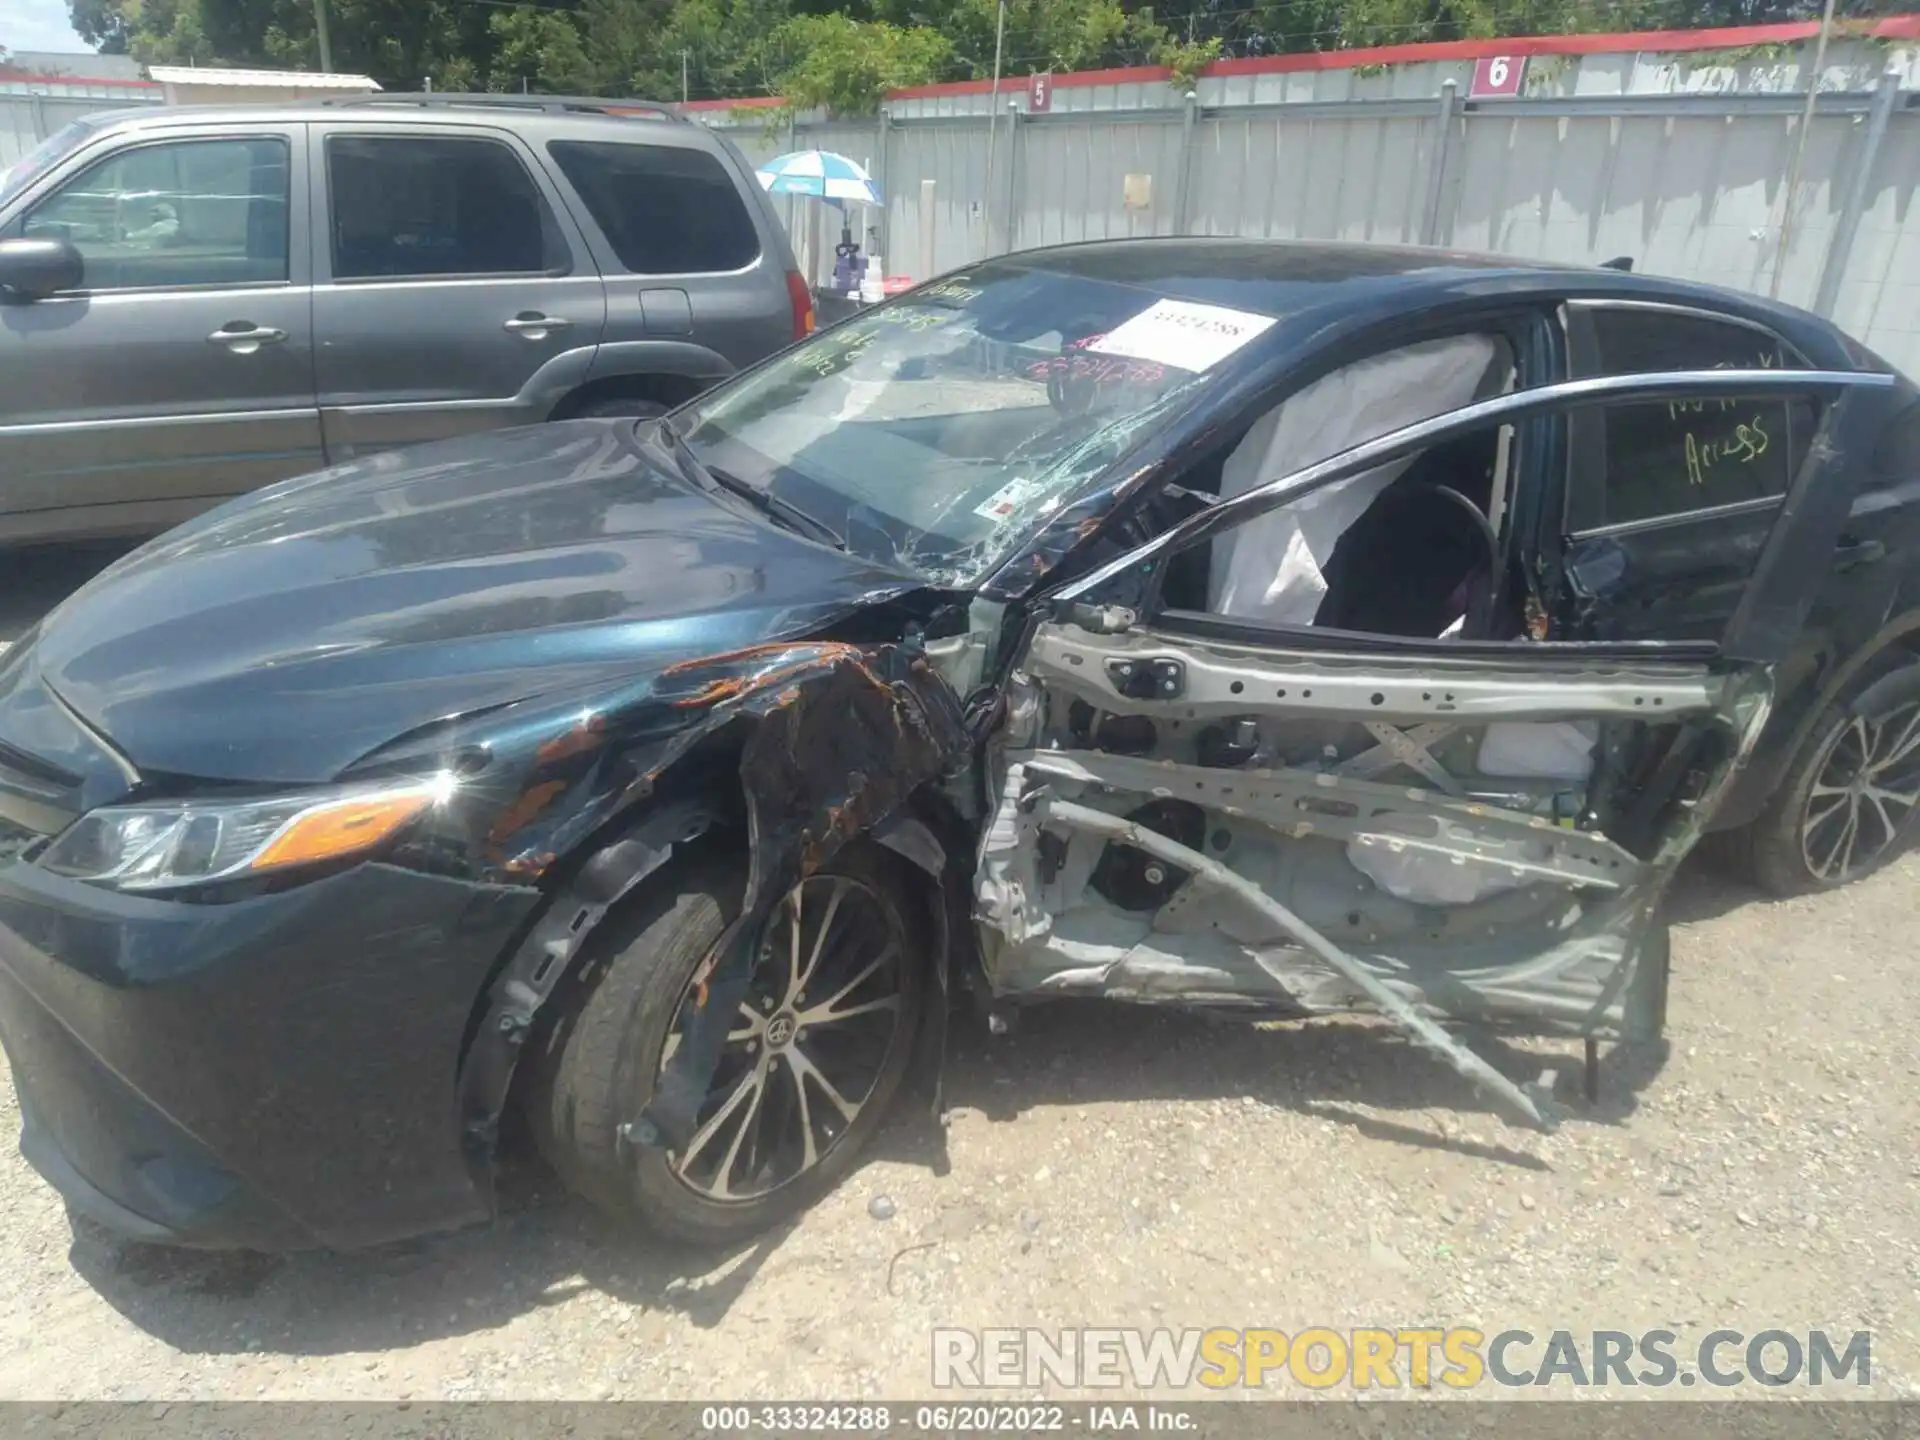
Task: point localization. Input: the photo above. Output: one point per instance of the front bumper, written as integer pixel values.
(277, 1073)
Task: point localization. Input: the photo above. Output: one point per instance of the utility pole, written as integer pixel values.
(320, 29)
(683, 77)
(1800, 150)
(993, 124)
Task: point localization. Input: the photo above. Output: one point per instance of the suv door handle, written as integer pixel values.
(243, 337)
(536, 326)
(1851, 553)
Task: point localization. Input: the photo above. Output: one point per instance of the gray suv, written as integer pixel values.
(198, 301)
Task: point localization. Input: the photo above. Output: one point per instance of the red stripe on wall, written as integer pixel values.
(1894, 27)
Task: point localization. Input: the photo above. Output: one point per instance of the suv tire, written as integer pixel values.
(619, 1018)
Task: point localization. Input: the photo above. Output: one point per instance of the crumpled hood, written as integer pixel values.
(288, 633)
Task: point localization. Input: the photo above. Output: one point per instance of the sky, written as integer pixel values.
(37, 25)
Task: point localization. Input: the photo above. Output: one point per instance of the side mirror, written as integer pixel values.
(35, 269)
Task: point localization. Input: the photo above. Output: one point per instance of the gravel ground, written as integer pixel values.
(1109, 1166)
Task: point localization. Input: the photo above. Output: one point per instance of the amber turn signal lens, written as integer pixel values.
(343, 828)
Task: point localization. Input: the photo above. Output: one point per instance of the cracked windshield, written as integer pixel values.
(935, 431)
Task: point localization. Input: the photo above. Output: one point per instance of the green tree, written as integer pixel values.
(102, 24)
(729, 46)
(154, 32)
(538, 48)
(839, 53)
(849, 65)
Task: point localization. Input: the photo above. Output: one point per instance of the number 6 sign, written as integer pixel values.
(1497, 77)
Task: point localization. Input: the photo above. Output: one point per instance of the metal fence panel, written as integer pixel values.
(1690, 182)
(1699, 196)
(26, 120)
(1318, 177)
(1879, 298)
(1072, 179)
(953, 155)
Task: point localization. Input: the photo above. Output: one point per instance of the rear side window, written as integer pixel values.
(664, 210)
(1673, 458)
(432, 206)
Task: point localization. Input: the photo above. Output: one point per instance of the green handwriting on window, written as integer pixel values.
(1745, 445)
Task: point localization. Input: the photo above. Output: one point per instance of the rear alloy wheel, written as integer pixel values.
(815, 1055)
(1862, 799)
(1846, 806)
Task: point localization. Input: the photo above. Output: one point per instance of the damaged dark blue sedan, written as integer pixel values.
(1271, 630)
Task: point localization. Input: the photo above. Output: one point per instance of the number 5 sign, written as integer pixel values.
(1497, 77)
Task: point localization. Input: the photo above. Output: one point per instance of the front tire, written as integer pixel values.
(815, 1056)
(1846, 807)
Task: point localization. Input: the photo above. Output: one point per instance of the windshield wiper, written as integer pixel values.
(783, 512)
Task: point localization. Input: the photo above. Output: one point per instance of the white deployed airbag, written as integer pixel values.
(1270, 569)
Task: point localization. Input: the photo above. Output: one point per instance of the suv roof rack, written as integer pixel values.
(551, 104)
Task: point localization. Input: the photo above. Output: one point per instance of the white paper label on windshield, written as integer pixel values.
(1183, 334)
(1008, 498)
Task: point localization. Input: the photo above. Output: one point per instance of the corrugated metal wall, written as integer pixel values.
(1689, 182)
(1320, 176)
(1695, 196)
(1879, 297)
(27, 119)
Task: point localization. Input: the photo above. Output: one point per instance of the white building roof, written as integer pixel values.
(289, 79)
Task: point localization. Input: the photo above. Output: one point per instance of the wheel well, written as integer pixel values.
(668, 390)
(604, 876)
(1895, 646)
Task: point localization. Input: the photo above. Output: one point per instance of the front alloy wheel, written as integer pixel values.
(809, 1066)
(822, 1016)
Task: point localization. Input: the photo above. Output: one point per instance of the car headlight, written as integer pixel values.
(192, 842)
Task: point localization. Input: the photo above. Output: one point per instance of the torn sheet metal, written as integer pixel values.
(1306, 803)
(844, 736)
(841, 736)
(1532, 1107)
(1368, 837)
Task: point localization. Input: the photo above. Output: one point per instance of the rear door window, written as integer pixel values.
(664, 210)
(1676, 458)
(418, 206)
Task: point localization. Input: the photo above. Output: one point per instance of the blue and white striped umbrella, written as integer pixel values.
(819, 173)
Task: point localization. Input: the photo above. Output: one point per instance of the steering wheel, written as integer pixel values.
(1483, 603)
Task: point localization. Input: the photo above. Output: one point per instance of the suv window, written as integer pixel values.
(664, 210)
(428, 206)
(188, 212)
(1671, 459)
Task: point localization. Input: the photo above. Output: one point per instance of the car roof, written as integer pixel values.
(1310, 283)
(614, 115)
